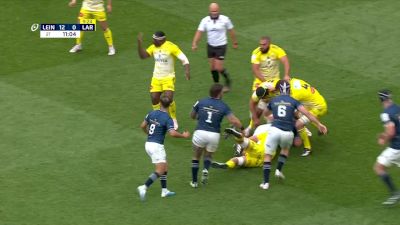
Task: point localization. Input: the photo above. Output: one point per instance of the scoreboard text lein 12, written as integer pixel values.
(66, 30)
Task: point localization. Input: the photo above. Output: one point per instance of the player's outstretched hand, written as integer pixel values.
(322, 129)
(109, 8)
(140, 37)
(235, 45)
(187, 75)
(72, 3)
(186, 134)
(382, 139)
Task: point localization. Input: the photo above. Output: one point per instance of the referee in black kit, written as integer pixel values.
(216, 26)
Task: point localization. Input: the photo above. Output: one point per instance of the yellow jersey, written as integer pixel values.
(269, 84)
(93, 5)
(269, 62)
(255, 152)
(306, 94)
(164, 58)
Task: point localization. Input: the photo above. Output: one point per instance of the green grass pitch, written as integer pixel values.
(72, 152)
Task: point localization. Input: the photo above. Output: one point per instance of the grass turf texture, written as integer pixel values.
(71, 151)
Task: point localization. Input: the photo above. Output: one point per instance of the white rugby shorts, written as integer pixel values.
(206, 139)
(156, 152)
(277, 137)
(389, 156)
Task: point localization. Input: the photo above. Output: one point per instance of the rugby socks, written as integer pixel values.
(79, 40)
(239, 140)
(231, 164)
(163, 180)
(108, 37)
(266, 169)
(151, 179)
(226, 76)
(387, 180)
(281, 162)
(215, 75)
(172, 110)
(305, 138)
(251, 124)
(195, 170)
(156, 106)
(207, 163)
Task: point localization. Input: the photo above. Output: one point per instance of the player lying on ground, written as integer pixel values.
(249, 152)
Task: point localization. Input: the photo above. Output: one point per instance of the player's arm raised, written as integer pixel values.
(109, 6)
(72, 3)
(141, 51)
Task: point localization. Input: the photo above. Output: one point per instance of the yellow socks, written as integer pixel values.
(172, 110)
(305, 138)
(230, 164)
(108, 37)
(79, 40)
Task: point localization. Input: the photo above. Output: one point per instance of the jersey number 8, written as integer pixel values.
(152, 128)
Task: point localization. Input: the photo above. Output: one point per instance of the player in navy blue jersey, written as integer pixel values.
(209, 113)
(156, 124)
(283, 109)
(391, 155)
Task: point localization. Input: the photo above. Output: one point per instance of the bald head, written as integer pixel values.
(213, 7)
(213, 10)
(265, 41)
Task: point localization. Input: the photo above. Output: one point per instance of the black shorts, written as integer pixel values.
(217, 52)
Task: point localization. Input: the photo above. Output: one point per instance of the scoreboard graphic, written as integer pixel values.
(67, 30)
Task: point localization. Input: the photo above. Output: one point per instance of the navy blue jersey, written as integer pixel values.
(283, 108)
(210, 113)
(158, 123)
(392, 114)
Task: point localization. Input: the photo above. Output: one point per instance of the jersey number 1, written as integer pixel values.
(208, 120)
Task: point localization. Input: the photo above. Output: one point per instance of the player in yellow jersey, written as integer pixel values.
(311, 99)
(249, 152)
(163, 81)
(258, 102)
(94, 9)
(265, 62)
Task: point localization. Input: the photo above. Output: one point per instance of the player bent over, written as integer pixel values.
(283, 108)
(156, 124)
(94, 9)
